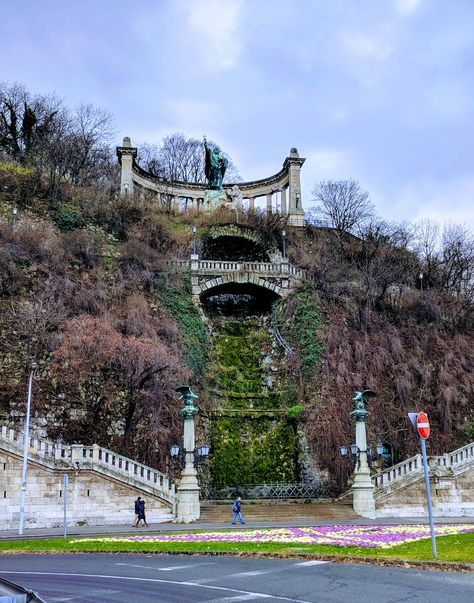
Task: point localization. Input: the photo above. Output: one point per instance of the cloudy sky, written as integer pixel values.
(381, 91)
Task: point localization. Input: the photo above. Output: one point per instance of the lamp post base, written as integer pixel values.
(188, 508)
(363, 497)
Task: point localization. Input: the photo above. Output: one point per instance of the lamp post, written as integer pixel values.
(26, 440)
(353, 452)
(194, 239)
(14, 212)
(362, 488)
(188, 507)
(283, 234)
(421, 276)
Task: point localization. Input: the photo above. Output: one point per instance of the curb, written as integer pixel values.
(444, 566)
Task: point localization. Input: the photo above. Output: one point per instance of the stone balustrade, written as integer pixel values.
(414, 465)
(411, 466)
(219, 266)
(95, 458)
(455, 459)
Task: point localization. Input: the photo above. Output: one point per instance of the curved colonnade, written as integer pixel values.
(286, 182)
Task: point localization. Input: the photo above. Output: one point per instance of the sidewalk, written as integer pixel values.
(179, 527)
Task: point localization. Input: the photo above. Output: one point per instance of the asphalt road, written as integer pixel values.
(184, 579)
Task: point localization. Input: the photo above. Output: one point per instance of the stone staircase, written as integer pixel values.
(255, 511)
(101, 484)
(400, 491)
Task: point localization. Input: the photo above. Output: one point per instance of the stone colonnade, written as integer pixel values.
(286, 183)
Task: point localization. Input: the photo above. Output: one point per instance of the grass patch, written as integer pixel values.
(452, 548)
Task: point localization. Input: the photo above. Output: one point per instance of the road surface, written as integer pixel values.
(107, 578)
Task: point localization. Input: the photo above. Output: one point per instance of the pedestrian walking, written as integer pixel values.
(137, 512)
(236, 511)
(141, 514)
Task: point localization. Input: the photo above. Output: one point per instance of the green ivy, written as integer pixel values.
(294, 412)
(177, 299)
(302, 330)
(250, 451)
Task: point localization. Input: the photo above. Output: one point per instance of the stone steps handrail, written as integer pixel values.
(78, 457)
(397, 472)
(414, 465)
(457, 458)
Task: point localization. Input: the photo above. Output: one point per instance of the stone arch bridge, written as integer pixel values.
(278, 277)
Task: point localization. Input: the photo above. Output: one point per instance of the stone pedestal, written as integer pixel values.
(362, 488)
(188, 508)
(213, 199)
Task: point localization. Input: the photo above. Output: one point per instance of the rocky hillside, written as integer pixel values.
(86, 293)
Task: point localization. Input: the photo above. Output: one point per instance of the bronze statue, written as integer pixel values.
(216, 165)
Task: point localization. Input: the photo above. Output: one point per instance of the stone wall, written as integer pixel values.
(93, 498)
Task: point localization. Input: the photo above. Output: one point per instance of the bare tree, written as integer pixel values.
(426, 244)
(343, 204)
(179, 158)
(27, 122)
(458, 261)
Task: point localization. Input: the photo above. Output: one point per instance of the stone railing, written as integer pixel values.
(206, 266)
(455, 460)
(94, 458)
(413, 466)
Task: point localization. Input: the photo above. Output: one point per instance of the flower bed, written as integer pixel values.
(377, 536)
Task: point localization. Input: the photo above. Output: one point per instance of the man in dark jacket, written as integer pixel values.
(137, 512)
(141, 514)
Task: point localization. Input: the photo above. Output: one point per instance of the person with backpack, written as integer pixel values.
(236, 511)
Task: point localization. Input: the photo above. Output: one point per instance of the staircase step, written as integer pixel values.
(276, 511)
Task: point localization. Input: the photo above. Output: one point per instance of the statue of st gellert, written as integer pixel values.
(216, 165)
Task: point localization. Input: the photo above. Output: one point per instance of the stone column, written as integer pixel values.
(269, 203)
(251, 203)
(293, 164)
(283, 201)
(188, 507)
(126, 154)
(362, 488)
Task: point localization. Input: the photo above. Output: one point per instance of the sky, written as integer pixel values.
(381, 91)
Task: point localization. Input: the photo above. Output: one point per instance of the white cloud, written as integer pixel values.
(193, 116)
(339, 115)
(444, 202)
(215, 24)
(362, 45)
(328, 163)
(407, 7)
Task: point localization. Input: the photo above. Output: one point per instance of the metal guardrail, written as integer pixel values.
(279, 337)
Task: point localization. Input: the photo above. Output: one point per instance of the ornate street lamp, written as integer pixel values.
(361, 456)
(188, 507)
(283, 234)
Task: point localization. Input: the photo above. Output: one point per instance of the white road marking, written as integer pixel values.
(249, 597)
(165, 569)
(254, 573)
(156, 580)
(313, 562)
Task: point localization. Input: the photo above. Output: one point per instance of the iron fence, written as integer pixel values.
(276, 491)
